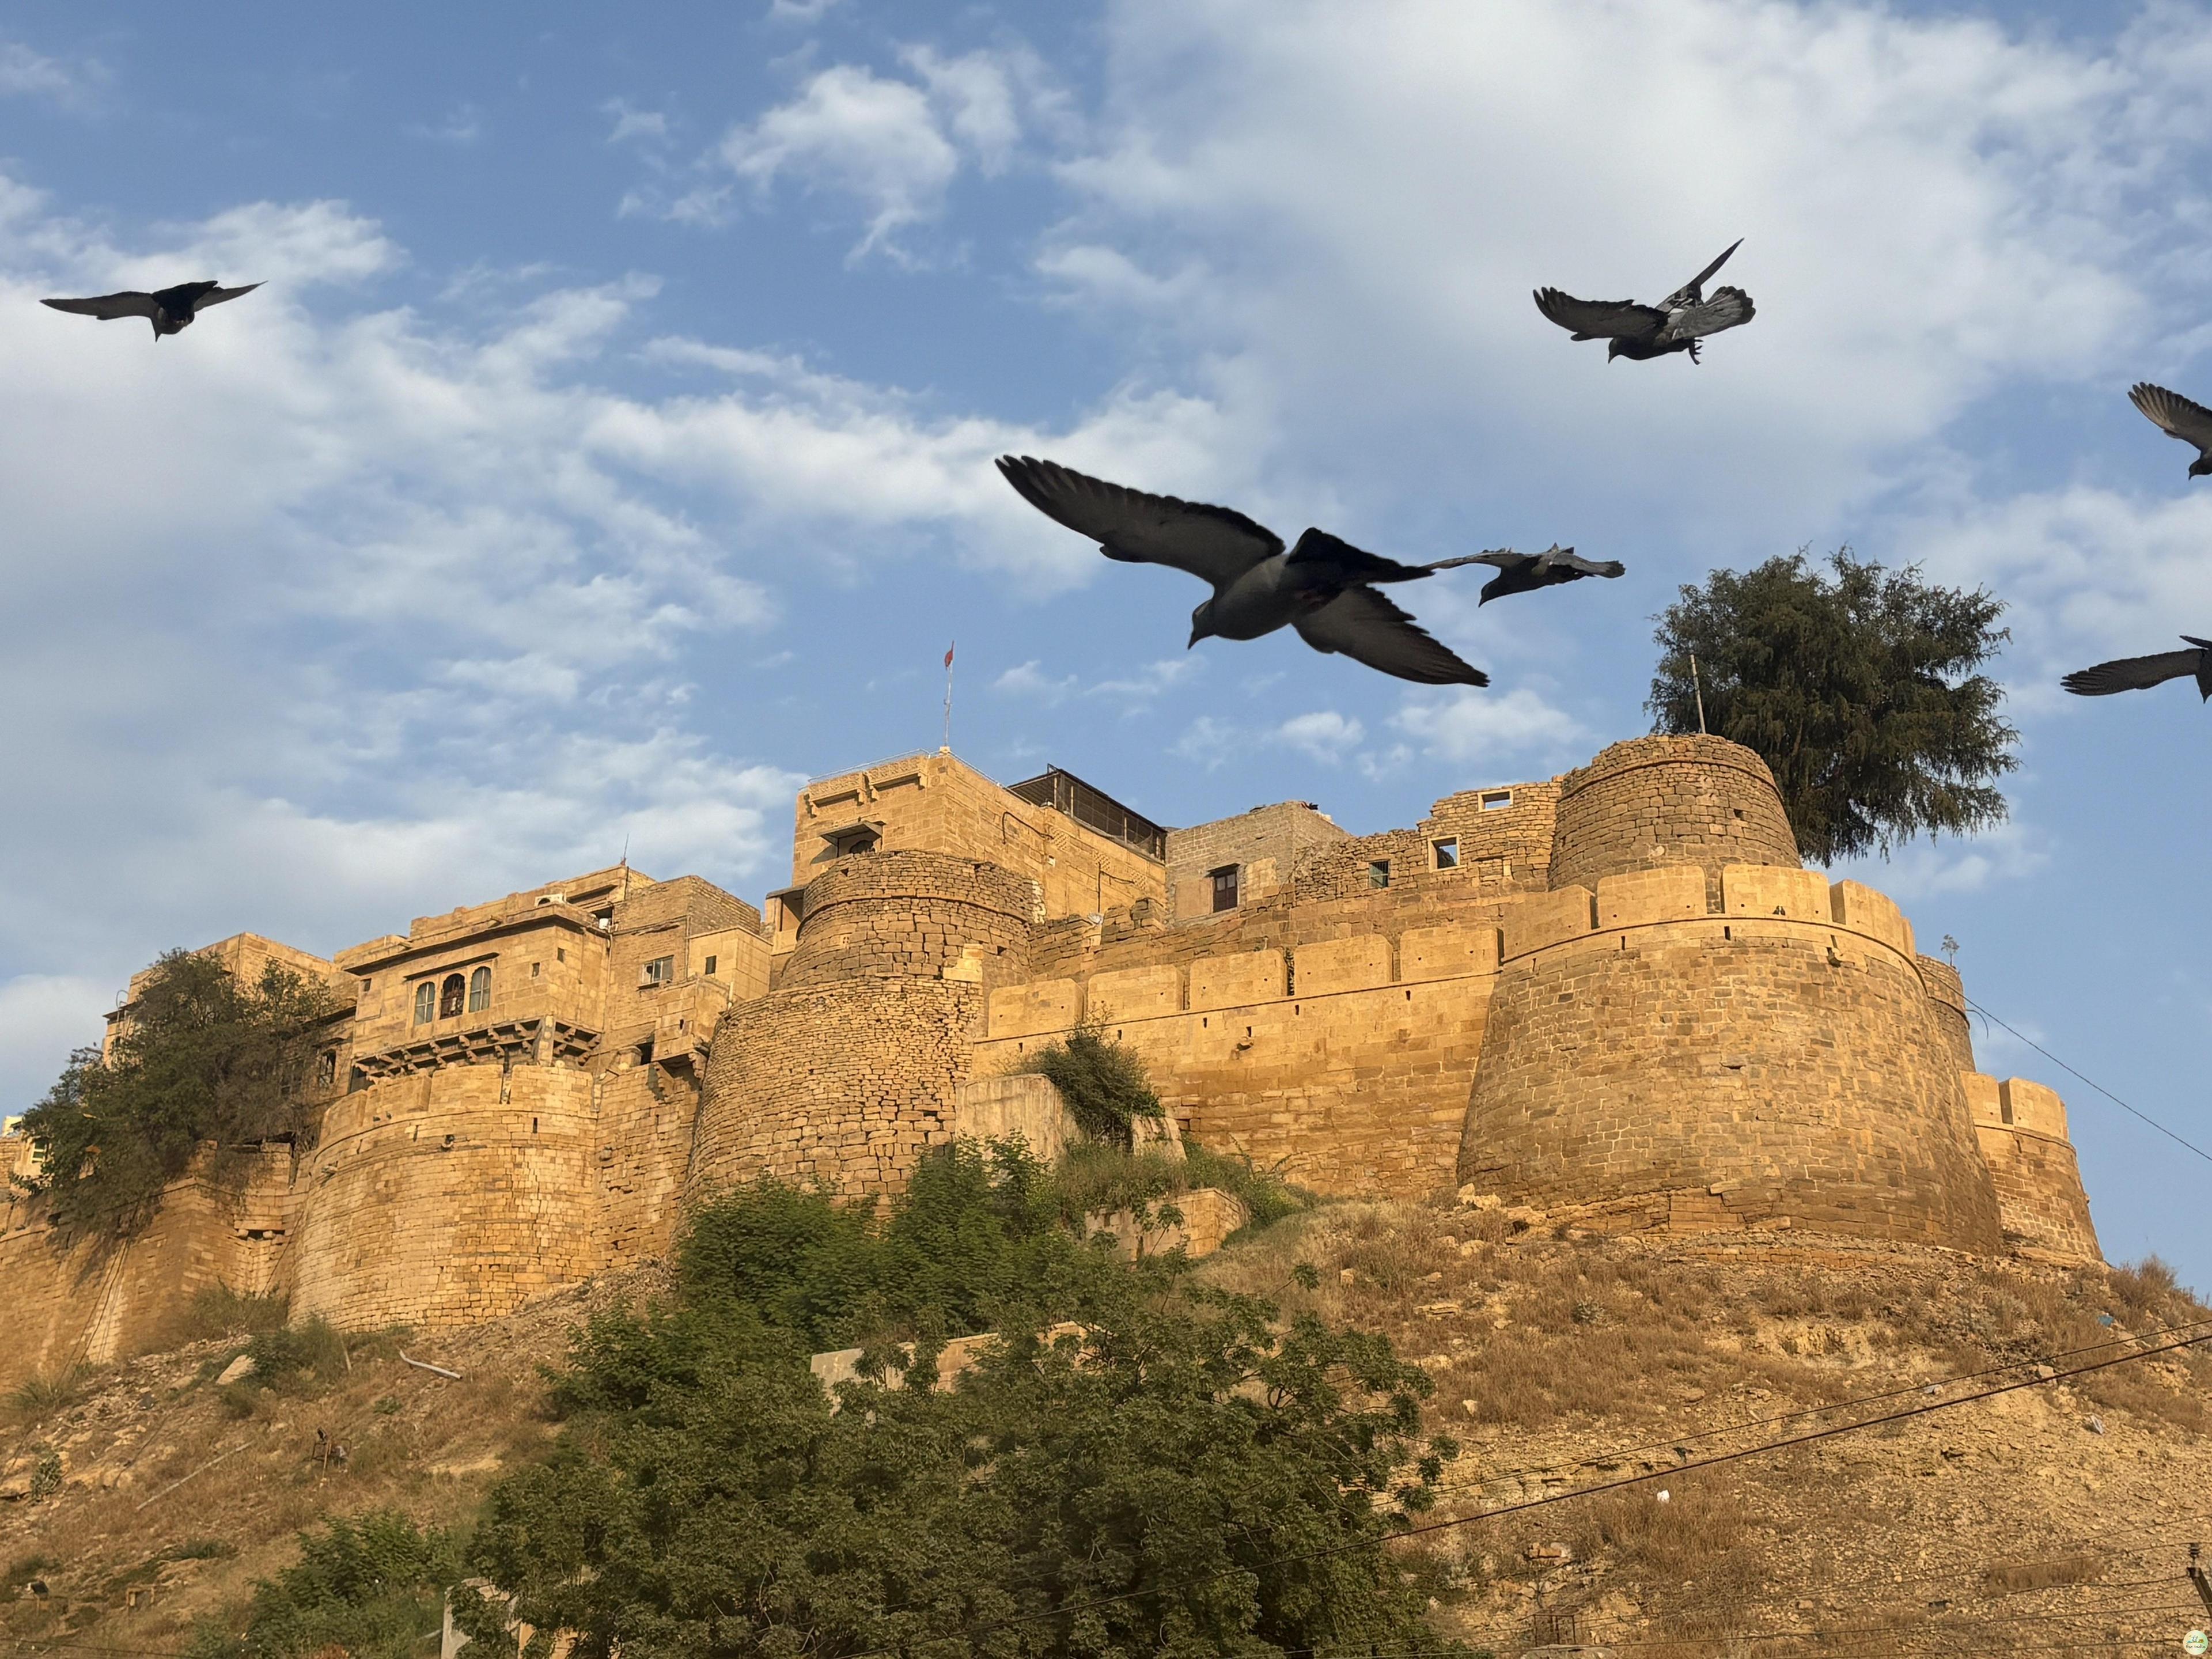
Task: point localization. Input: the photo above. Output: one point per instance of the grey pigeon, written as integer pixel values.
(1524, 573)
(2141, 673)
(171, 310)
(1677, 323)
(1320, 586)
(2176, 417)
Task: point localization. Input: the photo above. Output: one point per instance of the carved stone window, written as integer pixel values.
(1446, 853)
(450, 995)
(426, 1003)
(480, 990)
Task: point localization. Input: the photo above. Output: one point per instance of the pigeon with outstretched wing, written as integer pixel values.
(2178, 417)
(171, 310)
(1637, 331)
(1524, 573)
(1323, 587)
(2141, 673)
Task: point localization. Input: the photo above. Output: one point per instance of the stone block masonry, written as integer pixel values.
(1615, 992)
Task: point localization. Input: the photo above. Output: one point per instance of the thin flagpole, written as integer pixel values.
(1697, 688)
(948, 697)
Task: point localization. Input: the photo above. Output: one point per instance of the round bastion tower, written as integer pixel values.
(846, 1069)
(1690, 1030)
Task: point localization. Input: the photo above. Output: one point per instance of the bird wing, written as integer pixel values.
(1213, 544)
(108, 306)
(1728, 307)
(2171, 413)
(1504, 557)
(1369, 628)
(216, 296)
(1695, 290)
(1599, 320)
(1565, 558)
(2132, 673)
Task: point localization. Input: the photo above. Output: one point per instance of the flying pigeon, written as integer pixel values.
(171, 310)
(2141, 673)
(1677, 323)
(2176, 417)
(1524, 573)
(1320, 586)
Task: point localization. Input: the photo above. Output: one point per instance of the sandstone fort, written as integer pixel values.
(1614, 995)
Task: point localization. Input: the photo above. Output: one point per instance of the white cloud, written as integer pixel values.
(1029, 682)
(891, 147)
(1470, 725)
(464, 125)
(28, 74)
(1208, 742)
(854, 133)
(1324, 735)
(2008, 206)
(800, 11)
(1920, 869)
(630, 123)
(1147, 685)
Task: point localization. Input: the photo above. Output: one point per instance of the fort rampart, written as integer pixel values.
(1614, 995)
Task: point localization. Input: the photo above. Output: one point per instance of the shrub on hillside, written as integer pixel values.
(1194, 1471)
(1102, 1083)
(370, 1586)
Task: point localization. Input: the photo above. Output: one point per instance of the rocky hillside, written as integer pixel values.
(2056, 1517)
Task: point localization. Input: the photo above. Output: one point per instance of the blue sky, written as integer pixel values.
(610, 448)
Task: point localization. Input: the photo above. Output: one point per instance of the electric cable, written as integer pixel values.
(2092, 1082)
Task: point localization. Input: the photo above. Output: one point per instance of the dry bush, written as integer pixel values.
(217, 1310)
(47, 1392)
(1684, 1537)
(2009, 1579)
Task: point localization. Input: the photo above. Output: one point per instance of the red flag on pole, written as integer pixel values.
(948, 656)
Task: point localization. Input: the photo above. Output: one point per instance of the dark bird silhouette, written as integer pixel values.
(171, 310)
(1322, 586)
(1677, 323)
(2176, 417)
(1524, 573)
(2141, 673)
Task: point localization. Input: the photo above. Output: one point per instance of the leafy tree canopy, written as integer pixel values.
(1858, 689)
(1173, 1469)
(202, 1058)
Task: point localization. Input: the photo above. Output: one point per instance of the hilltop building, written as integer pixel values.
(1615, 995)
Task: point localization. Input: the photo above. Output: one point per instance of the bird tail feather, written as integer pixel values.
(1318, 546)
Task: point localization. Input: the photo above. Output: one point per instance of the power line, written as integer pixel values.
(1545, 1502)
(1615, 1453)
(2092, 1082)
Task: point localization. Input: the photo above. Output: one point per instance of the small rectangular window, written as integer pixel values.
(710, 966)
(536, 968)
(327, 1068)
(1378, 873)
(659, 971)
(1446, 853)
(1496, 799)
(1224, 888)
(560, 955)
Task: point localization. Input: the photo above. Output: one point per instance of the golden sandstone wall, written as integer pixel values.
(1614, 994)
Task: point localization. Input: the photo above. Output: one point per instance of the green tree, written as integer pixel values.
(1857, 688)
(1174, 1470)
(371, 1585)
(202, 1060)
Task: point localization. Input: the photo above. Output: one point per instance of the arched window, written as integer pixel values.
(426, 1003)
(480, 990)
(449, 997)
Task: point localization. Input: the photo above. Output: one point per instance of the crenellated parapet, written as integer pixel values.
(2021, 1127)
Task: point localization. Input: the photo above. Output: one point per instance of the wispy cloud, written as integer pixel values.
(1029, 682)
(28, 74)
(634, 123)
(463, 124)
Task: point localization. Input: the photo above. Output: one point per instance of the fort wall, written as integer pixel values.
(1345, 1063)
(452, 1195)
(2021, 1129)
(1669, 800)
(935, 804)
(1790, 1066)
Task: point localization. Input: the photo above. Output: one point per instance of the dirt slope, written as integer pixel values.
(2052, 1519)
